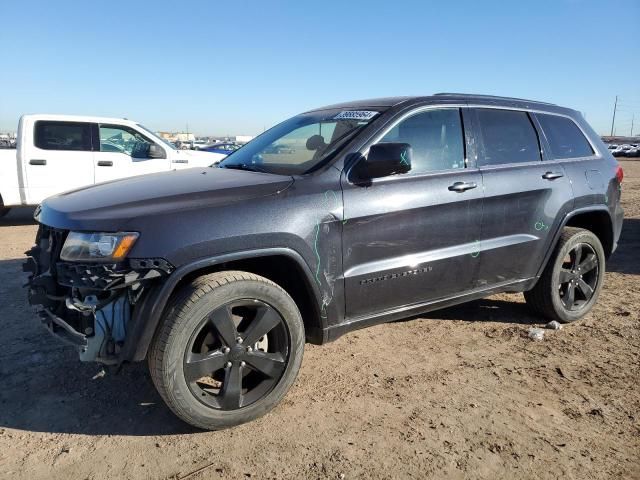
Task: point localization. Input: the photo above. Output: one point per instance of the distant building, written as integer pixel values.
(243, 138)
(190, 137)
(184, 137)
(177, 136)
(620, 139)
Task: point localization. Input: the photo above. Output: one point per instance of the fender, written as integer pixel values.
(565, 220)
(147, 314)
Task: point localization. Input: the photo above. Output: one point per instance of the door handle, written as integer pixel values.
(462, 186)
(552, 175)
(37, 162)
(179, 161)
(105, 163)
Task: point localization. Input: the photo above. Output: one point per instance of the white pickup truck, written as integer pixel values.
(57, 153)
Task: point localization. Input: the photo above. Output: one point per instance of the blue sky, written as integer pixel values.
(237, 67)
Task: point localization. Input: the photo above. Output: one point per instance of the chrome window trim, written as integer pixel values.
(414, 111)
(391, 126)
(596, 152)
(418, 176)
(473, 105)
(534, 163)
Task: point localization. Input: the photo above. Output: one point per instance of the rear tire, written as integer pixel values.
(572, 280)
(228, 349)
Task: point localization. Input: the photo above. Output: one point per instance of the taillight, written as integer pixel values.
(619, 174)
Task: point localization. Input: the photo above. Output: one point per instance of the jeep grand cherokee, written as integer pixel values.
(336, 219)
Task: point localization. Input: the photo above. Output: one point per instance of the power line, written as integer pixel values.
(630, 108)
(613, 122)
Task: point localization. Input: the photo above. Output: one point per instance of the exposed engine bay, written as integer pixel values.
(87, 305)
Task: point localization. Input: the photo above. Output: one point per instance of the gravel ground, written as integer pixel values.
(459, 393)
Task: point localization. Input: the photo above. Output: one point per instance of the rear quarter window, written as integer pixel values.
(63, 136)
(565, 139)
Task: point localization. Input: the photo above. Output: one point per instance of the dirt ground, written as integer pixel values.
(459, 393)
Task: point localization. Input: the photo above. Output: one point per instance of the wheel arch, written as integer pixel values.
(596, 219)
(283, 266)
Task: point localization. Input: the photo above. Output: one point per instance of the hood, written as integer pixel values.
(112, 205)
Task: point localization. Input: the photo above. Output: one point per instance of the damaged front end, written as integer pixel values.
(88, 305)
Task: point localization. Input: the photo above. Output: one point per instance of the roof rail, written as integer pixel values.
(496, 97)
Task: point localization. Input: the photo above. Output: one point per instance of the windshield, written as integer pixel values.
(301, 143)
(163, 140)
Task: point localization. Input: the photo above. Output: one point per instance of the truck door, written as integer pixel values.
(411, 239)
(124, 152)
(525, 196)
(59, 160)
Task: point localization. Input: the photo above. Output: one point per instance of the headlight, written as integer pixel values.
(97, 247)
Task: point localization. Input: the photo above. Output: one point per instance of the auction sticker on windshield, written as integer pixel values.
(355, 115)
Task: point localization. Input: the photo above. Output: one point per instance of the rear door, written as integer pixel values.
(123, 152)
(410, 239)
(525, 198)
(568, 146)
(60, 159)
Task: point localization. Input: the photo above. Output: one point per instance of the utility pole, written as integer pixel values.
(633, 117)
(613, 122)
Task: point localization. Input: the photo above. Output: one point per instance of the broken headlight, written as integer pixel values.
(97, 247)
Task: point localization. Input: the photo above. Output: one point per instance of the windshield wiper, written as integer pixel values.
(243, 166)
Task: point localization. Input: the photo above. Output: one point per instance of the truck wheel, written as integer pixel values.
(4, 211)
(572, 280)
(228, 348)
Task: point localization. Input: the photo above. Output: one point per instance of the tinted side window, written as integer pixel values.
(565, 138)
(436, 139)
(121, 139)
(508, 137)
(63, 136)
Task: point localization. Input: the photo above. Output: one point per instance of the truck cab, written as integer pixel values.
(59, 153)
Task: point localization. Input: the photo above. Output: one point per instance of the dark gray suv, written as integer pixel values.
(336, 219)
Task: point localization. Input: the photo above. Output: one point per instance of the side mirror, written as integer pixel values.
(384, 159)
(156, 151)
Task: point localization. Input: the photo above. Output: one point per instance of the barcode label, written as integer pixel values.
(355, 115)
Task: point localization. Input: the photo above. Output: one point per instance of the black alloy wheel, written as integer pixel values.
(227, 350)
(571, 281)
(237, 355)
(578, 277)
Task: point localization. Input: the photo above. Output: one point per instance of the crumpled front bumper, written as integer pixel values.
(58, 327)
(87, 305)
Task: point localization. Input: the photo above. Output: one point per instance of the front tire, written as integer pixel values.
(571, 282)
(228, 349)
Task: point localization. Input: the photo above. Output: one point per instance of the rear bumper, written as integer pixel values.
(617, 228)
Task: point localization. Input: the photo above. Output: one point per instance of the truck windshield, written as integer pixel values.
(301, 143)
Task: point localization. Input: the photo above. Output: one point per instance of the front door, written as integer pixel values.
(412, 238)
(526, 197)
(123, 153)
